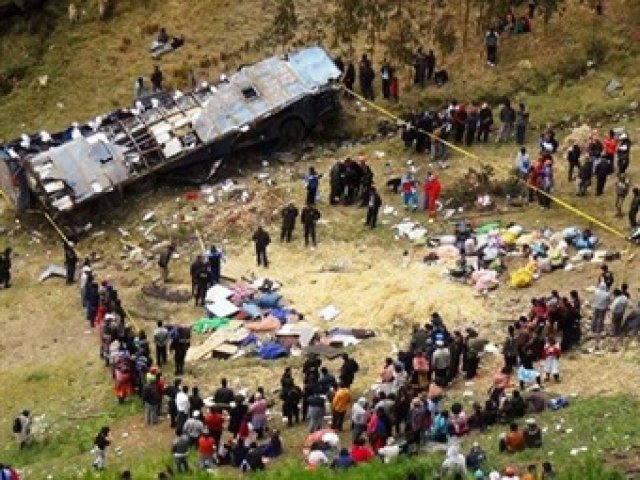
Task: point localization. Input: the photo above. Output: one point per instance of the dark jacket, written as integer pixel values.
(374, 201)
(261, 238)
(310, 215)
(150, 394)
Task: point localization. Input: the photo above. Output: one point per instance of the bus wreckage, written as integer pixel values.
(279, 98)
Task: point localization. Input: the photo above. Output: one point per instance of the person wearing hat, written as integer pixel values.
(193, 428)
(70, 261)
(532, 434)
(5, 267)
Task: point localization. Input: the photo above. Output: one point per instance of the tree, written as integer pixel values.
(285, 21)
(348, 20)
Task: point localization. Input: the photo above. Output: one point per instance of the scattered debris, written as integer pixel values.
(52, 271)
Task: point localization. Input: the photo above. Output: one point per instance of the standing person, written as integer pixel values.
(521, 122)
(440, 363)
(471, 125)
(507, 119)
(434, 187)
(312, 180)
(623, 153)
(202, 278)
(367, 75)
(215, 257)
(386, 74)
(373, 206)
(602, 169)
(22, 428)
(394, 88)
(409, 188)
(179, 345)
(151, 398)
(551, 354)
(358, 418)
(600, 306)
(336, 182)
(161, 340)
(584, 176)
(485, 123)
(339, 405)
(348, 370)
(633, 208)
(289, 216)
(573, 159)
(70, 261)
(85, 278)
(349, 78)
(622, 190)
(5, 267)
(163, 262)
(618, 307)
(261, 239)
(180, 451)
(429, 65)
(291, 404)
(309, 218)
(100, 445)
(491, 43)
(156, 79)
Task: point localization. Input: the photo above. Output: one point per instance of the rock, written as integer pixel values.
(613, 86)
(633, 105)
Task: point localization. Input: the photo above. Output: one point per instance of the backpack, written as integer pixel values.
(17, 425)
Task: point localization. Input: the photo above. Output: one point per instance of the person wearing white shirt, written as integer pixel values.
(182, 406)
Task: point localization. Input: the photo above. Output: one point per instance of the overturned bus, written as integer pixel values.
(277, 98)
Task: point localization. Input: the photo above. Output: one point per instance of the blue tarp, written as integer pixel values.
(271, 351)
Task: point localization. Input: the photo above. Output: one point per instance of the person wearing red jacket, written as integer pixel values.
(610, 147)
(360, 453)
(552, 359)
(433, 188)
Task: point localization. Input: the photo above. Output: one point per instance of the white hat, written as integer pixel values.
(391, 441)
(86, 268)
(439, 343)
(196, 413)
(531, 421)
(623, 136)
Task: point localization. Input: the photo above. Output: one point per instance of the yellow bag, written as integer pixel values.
(521, 278)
